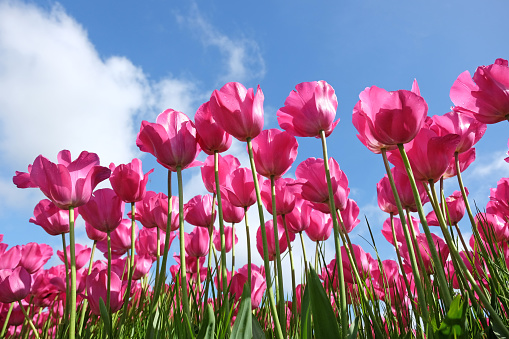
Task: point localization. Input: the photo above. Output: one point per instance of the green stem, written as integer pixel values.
(72, 325)
(248, 243)
(158, 253)
(67, 280)
(224, 274)
(339, 262)
(304, 253)
(270, 292)
(233, 249)
(413, 261)
(131, 268)
(439, 269)
(183, 277)
(85, 302)
(294, 285)
(108, 293)
(6, 321)
(211, 234)
(27, 317)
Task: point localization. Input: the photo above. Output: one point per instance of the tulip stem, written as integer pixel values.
(27, 317)
(6, 321)
(233, 249)
(248, 241)
(158, 253)
(183, 271)
(108, 291)
(72, 325)
(211, 233)
(270, 291)
(304, 254)
(439, 269)
(67, 285)
(294, 286)
(131, 267)
(337, 244)
(224, 273)
(85, 303)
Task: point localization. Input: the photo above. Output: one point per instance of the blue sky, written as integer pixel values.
(83, 74)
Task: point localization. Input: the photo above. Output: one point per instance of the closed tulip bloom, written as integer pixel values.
(469, 129)
(171, 139)
(238, 110)
(404, 189)
(34, 256)
(320, 226)
(146, 242)
(485, 94)
(363, 262)
(142, 265)
(350, 215)
(226, 165)
(68, 183)
(93, 233)
(455, 210)
(285, 195)
(197, 242)
(274, 152)
(392, 117)
(423, 247)
(298, 219)
(228, 234)
(283, 245)
(82, 255)
(152, 211)
(313, 182)
(120, 238)
(15, 284)
(97, 283)
(198, 211)
(309, 109)
(211, 137)
(231, 213)
(104, 211)
(51, 218)
(500, 196)
(429, 154)
(128, 180)
(258, 284)
(385, 197)
(398, 230)
(240, 188)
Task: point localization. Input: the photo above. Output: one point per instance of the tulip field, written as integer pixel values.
(443, 283)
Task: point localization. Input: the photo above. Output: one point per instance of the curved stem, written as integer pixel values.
(339, 262)
(6, 321)
(280, 293)
(85, 302)
(108, 292)
(72, 325)
(233, 249)
(158, 253)
(248, 243)
(211, 234)
(294, 285)
(304, 253)
(183, 277)
(270, 291)
(67, 281)
(27, 317)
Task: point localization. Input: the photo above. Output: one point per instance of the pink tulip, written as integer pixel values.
(68, 183)
(283, 245)
(469, 129)
(231, 213)
(97, 283)
(391, 118)
(285, 189)
(388, 276)
(228, 234)
(193, 265)
(198, 211)
(309, 109)
(363, 261)
(455, 210)
(48, 285)
(320, 226)
(492, 227)
(82, 255)
(22, 179)
(120, 239)
(350, 215)
(405, 190)
(314, 184)
(104, 211)
(298, 219)
(465, 159)
(16, 318)
(152, 211)
(274, 152)
(398, 230)
(15, 284)
(51, 218)
(197, 242)
(428, 153)
(171, 139)
(211, 137)
(11, 258)
(142, 265)
(238, 110)
(240, 189)
(423, 247)
(93, 233)
(500, 196)
(485, 95)
(146, 242)
(34, 256)
(258, 284)
(385, 196)
(226, 165)
(128, 180)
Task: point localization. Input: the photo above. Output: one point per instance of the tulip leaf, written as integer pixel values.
(105, 316)
(306, 331)
(325, 323)
(207, 330)
(257, 330)
(455, 324)
(353, 329)
(242, 328)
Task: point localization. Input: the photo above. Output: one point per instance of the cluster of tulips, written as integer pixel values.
(440, 286)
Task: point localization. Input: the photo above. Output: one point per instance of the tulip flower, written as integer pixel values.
(309, 109)
(405, 190)
(152, 211)
(11, 258)
(82, 255)
(274, 152)
(363, 261)
(226, 165)
(120, 239)
(211, 137)
(146, 242)
(198, 211)
(283, 245)
(51, 218)
(385, 196)
(485, 94)
(104, 211)
(171, 139)
(97, 289)
(238, 110)
(349, 216)
(492, 227)
(128, 180)
(465, 159)
(94, 234)
(298, 219)
(398, 230)
(22, 179)
(228, 233)
(285, 189)
(231, 213)
(15, 284)
(197, 242)
(240, 189)
(423, 247)
(68, 183)
(391, 118)
(320, 226)
(455, 210)
(258, 284)
(34, 256)
(142, 265)
(500, 196)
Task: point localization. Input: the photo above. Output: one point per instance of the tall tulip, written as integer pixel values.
(211, 137)
(51, 218)
(104, 211)
(274, 152)
(34, 256)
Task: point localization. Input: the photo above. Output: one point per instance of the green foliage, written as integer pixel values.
(454, 325)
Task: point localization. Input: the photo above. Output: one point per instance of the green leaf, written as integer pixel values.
(243, 326)
(306, 331)
(105, 316)
(454, 325)
(257, 330)
(354, 328)
(208, 326)
(325, 323)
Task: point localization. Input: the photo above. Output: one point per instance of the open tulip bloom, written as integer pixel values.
(439, 284)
